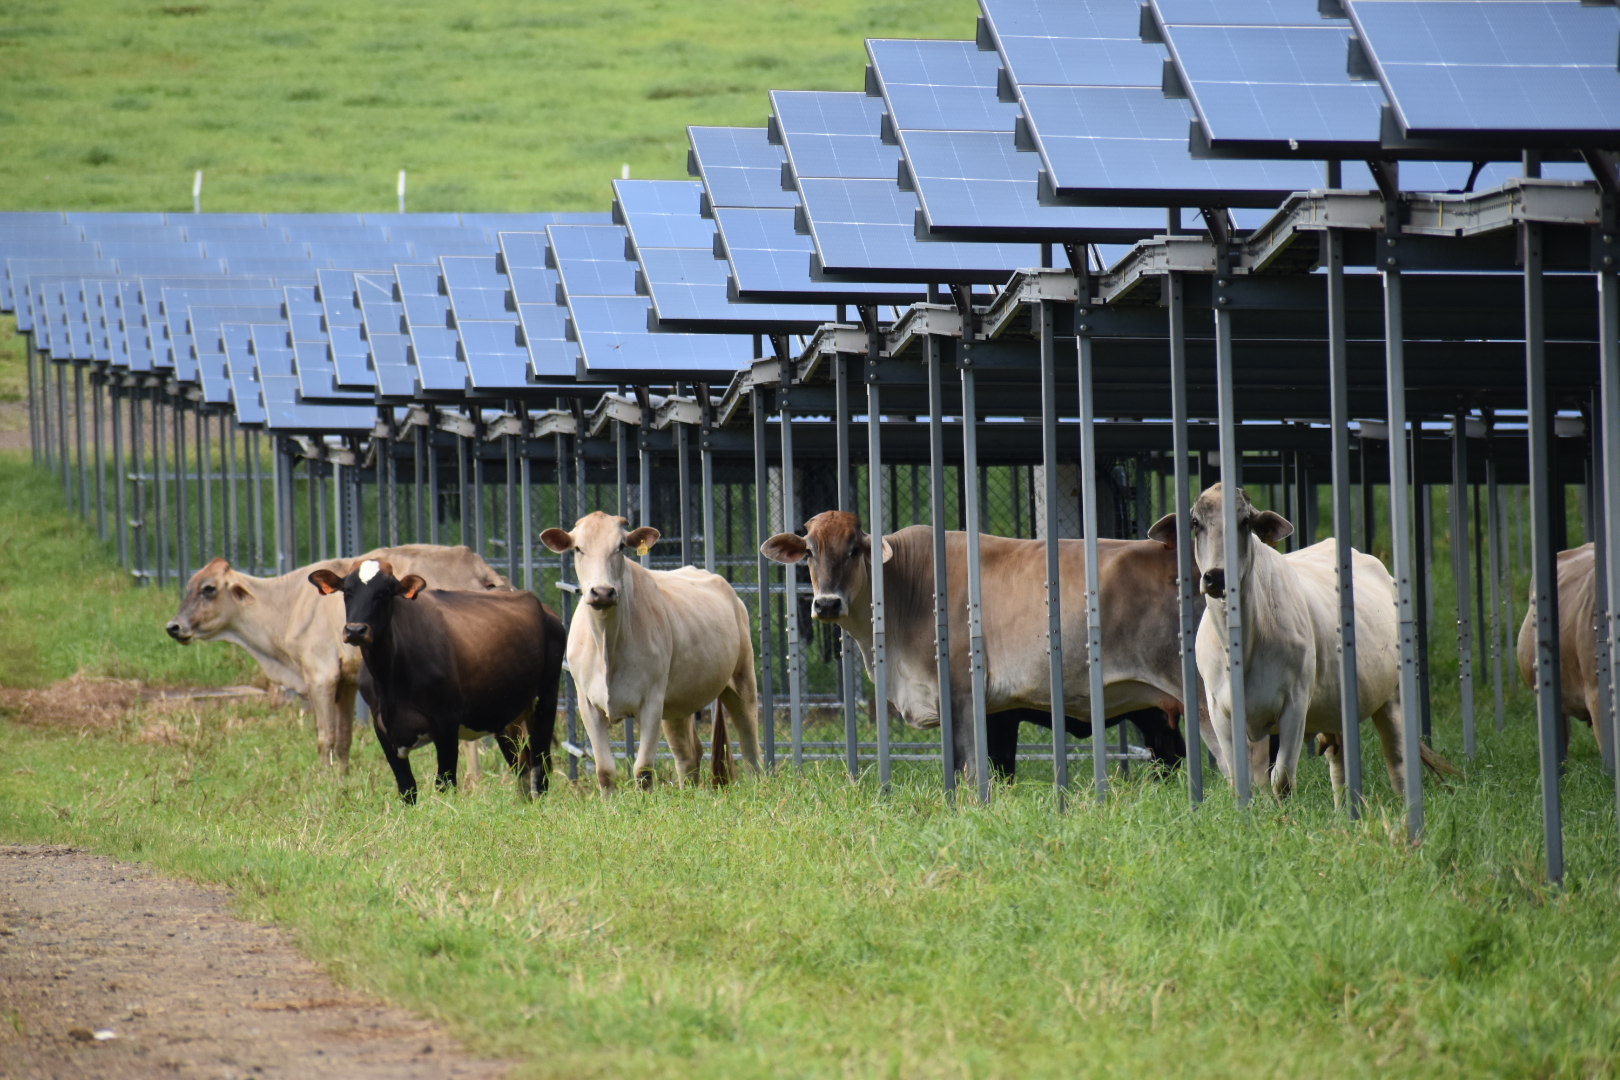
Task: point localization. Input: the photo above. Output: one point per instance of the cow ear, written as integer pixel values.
(410, 585)
(785, 548)
(242, 594)
(888, 551)
(1270, 526)
(1164, 531)
(323, 579)
(558, 540)
(643, 539)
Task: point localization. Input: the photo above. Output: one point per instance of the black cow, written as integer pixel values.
(441, 666)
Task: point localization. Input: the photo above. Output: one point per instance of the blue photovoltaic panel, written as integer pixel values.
(171, 340)
(20, 269)
(961, 159)
(278, 384)
(208, 352)
(543, 321)
(1120, 143)
(243, 371)
(156, 354)
(866, 227)
(1529, 72)
(382, 327)
(439, 369)
(486, 325)
(680, 273)
(611, 328)
(330, 359)
(1283, 85)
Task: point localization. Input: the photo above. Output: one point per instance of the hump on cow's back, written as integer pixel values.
(697, 573)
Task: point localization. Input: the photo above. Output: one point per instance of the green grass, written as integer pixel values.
(292, 106)
(805, 926)
(66, 607)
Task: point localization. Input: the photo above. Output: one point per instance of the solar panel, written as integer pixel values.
(167, 306)
(960, 158)
(278, 383)
(243, 370)
(207, 364)
(382, 321)
(213, 307)
(1524, 72)
(432, 351)
(1123, 144)
(864, 226)
(543, 323)
(680, 273)
(611, 327)
(486, 324)
(20, 268)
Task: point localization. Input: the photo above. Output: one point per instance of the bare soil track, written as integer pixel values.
(109, 970)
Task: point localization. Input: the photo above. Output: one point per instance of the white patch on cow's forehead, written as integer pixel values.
(368, 570)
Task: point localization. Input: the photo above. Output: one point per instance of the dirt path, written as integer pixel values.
(108, 970)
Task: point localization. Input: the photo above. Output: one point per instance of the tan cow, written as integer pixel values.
(1290, 635)
(297, 640)
(1140, 623)
(658, 645)
(1577, 642)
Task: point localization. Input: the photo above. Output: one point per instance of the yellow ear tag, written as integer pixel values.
(643, 549)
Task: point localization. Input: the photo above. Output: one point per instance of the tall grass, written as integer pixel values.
(802, 925)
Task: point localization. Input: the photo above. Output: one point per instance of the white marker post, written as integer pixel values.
(196, 193)
(624, 171)
(402, 191)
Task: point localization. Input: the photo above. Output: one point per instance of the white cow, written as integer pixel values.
(299, 641)
(1290, 634)
(658, 645)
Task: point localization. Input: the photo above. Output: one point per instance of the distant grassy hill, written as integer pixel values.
(294, 106)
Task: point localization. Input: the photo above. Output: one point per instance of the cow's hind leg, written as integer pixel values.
(447, 744)
(1331, 748)
(1388, 721)
(681, 734)
(741, 702)
(323, 702)
(343, 723)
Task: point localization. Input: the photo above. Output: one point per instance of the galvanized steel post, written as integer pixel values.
(1343, 532)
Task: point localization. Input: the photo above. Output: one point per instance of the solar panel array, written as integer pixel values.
(1060, 125)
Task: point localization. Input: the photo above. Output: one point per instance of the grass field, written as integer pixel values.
(797, 925)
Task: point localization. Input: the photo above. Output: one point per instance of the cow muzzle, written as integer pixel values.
(179, 632)
(602, 597)
(827, 607)
(356, 633)
(1215, 583)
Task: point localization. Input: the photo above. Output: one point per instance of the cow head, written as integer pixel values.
(1209, 536)
(368, 592)
(839, 556)
(212, 598)
(600, 543)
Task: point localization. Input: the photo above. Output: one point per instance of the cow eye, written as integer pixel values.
(209, 591)
(1197, 526)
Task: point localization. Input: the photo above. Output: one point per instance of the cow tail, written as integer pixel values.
(1436, 764)
(720, 748)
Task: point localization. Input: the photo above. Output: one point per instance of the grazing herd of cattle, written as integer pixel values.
(442, 648)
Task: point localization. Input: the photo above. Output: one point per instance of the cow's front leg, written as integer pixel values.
(601, 736)
(649, 716)
(397, 759)
(447, 745)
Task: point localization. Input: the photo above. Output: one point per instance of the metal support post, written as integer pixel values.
(1089, 471)
(206, 481)
(877, 523)
(1498, 595)
(790, 588)
(255, 495)
(98, 387)
(683, 484)
(1231, 483)
(120, 522)
(1046, 314)
(1400, 523)
(463, 493)
(762, 532)
(1192, 698)
(1608, 284)
(64, 460)
(182, 492)
(160, 482)
(1543, 556)
(846, 502)
(509, 443)
(1424, 596)
(1460, 575)
(936, 490)
(1343, 531)
(973, 527)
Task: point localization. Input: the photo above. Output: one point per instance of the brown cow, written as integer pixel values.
(1577, 643)
(296, 639)
(1139, 616)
